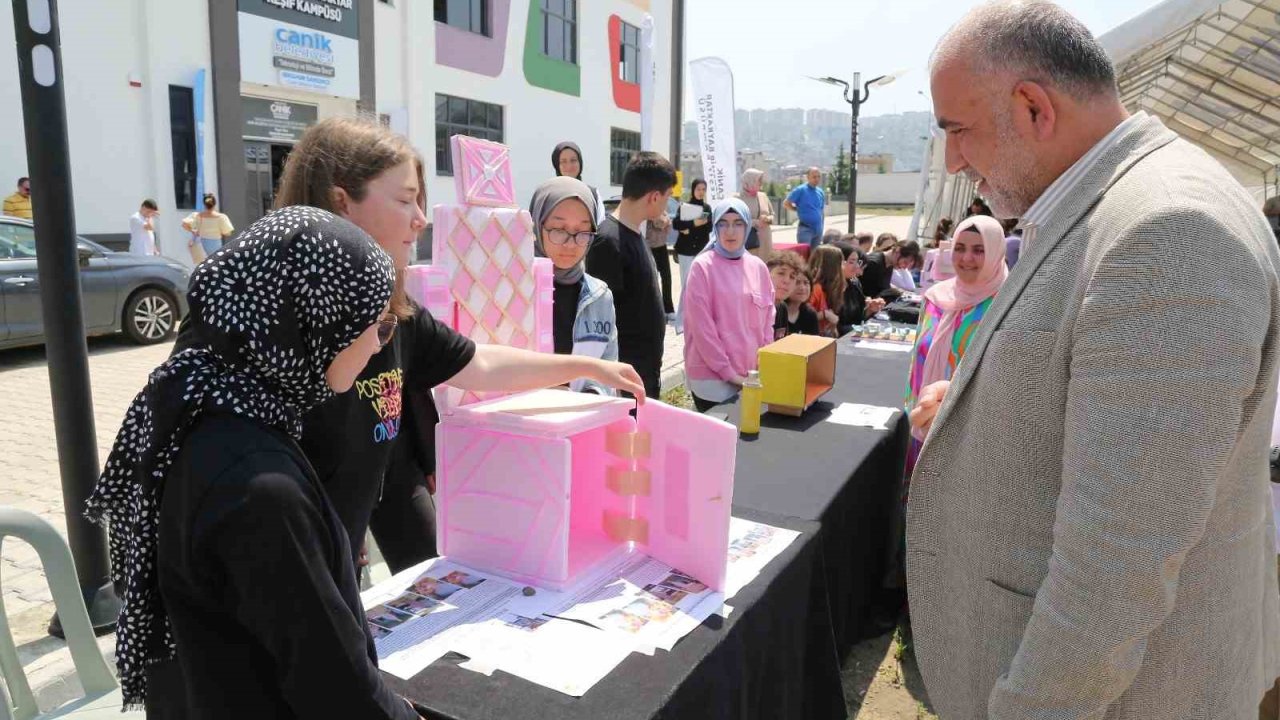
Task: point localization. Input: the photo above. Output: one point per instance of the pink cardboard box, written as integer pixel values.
(542, 487)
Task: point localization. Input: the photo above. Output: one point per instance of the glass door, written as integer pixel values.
(260, 192)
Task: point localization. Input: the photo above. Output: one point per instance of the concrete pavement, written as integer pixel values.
(29, 480)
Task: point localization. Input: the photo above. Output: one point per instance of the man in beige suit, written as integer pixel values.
(1090, 526)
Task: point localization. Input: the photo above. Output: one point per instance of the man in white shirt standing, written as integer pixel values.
(142, 234)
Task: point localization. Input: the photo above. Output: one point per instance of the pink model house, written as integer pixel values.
(542, 487)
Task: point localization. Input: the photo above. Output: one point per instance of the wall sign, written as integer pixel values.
(337, 17)
(276, 120)
(309, 45)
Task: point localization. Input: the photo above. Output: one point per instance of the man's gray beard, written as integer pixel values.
(1016, 167)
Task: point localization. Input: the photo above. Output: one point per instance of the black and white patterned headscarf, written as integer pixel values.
(271, 311)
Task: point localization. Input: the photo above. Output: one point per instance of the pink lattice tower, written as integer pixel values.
(484, 280)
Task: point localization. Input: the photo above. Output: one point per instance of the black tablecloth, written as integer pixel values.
(772, 658)
(846, 478)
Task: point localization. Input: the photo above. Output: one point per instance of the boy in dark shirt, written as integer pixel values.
(623, 261)
(800, 316)
(784, 268)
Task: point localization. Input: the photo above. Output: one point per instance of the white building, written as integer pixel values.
(171, 98)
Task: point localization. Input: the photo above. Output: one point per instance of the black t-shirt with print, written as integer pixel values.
(779, 320)
(348, 439)
(806, 322)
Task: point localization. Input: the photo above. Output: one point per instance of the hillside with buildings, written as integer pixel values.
(783, 142)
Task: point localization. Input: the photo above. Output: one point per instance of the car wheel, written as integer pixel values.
(150, 317)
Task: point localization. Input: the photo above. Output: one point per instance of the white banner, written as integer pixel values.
(648, 78)
(287, 55)
(713, 107)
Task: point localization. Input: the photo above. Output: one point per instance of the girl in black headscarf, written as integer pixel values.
(569, 164)
(229, 552)
(692, 237)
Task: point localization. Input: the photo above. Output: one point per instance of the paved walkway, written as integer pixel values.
(29, 480)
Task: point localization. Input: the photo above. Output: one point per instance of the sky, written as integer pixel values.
(772, 45)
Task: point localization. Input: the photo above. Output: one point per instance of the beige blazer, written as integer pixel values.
(1090, 526)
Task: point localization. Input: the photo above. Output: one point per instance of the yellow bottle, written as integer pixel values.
(752, 397)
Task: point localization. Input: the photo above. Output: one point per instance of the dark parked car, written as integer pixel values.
(146, 297)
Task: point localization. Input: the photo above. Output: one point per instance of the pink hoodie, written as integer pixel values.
(728, 316)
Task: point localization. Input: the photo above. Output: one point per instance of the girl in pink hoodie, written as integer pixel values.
(729, 310)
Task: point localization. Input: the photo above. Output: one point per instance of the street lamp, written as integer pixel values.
(859, 97)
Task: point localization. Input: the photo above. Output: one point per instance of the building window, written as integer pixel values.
(459, 116)
(623, 145)
(559, 30)
(182, 135)
(469, 15)
(629, 57)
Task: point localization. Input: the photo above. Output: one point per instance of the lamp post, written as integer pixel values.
(44, 112)
(855, 102)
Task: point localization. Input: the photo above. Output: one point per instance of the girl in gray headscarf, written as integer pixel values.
(583, 319)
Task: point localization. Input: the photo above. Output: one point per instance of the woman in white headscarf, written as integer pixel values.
(760, 240)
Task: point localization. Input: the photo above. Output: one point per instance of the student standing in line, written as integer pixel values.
(621, 259)
(692, 236)
(583, 317)
(730, 310)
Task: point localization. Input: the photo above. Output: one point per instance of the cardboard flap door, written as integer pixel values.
(690, 464)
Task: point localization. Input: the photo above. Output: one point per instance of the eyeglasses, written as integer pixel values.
(387, 329)
(854, 262)
(724, 225)
(560, 236)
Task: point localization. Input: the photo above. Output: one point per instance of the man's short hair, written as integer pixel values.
(647, 172)
(1036, 40)
(786, 258)
(150, 204)
(24, 180)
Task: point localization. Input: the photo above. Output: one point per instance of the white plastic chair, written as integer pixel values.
(102, 694)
